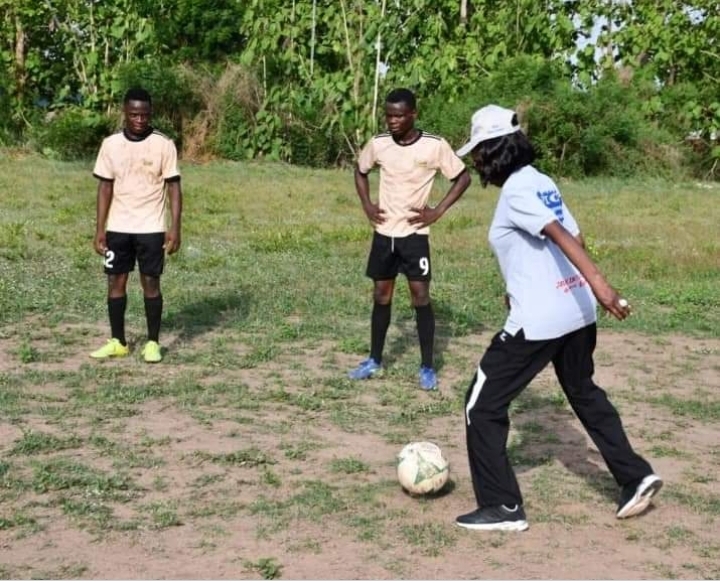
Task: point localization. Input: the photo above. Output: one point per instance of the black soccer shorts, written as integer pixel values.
(392, 255)
(123, 249)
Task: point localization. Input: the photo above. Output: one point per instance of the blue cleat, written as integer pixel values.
(365, 370)
(428, 378)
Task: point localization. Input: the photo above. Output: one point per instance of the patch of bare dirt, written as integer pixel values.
(223, 533)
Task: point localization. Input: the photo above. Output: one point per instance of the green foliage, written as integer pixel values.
(174, 101)
(576, 132)
(199, 30)
(584, 133)
(8, 126)
(245, 135)
(313, 141)
(692, 112)
(74, 134)
(310, 88)
(673, 40)
(517, 81)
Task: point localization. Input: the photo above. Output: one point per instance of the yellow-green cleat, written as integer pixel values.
(152, 352)
(113, 348)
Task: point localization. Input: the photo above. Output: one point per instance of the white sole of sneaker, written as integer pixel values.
(516, 525)
(646, 490)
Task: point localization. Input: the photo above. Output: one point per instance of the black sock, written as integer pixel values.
(425, 319)
(379, 324)
(116, 311)
(153, 315)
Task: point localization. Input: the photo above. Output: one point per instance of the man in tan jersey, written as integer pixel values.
(137, 170)
(409, 160)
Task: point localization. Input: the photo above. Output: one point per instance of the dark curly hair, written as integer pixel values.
(496, 159)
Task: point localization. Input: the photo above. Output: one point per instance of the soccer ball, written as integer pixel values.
(422, 468)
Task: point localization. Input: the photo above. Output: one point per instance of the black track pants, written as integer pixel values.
(507, 367)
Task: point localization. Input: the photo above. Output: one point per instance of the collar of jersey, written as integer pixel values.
(420, 133)
(139, 138)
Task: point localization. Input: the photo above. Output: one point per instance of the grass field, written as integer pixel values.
(247, 453)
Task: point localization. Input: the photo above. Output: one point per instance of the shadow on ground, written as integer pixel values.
(569, 445)
(449, 324)
(209, 313)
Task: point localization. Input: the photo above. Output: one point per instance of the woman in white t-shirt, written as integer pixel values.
(552, 288)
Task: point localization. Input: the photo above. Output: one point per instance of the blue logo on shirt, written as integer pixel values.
(552, 200)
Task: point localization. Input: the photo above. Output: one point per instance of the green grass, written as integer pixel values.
(705, 410)
(237, 246)
(250, 428)
(430, 538)
(349, 466)
(266, 567)
(248, 458)
(33, 442)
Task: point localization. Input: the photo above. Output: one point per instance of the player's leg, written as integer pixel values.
(151, 262)
(506, 368)
(415, 264)
(574, 368)
(118, 262)
(425, 323)
(383, 290)
(382, 268)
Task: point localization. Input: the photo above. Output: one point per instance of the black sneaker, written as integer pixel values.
(494, 518)
(635, 497)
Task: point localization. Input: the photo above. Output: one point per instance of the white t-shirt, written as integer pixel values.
(548, 296)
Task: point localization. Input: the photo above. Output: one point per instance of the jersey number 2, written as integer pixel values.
(109, 258)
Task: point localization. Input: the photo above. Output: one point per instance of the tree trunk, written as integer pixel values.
(20, 45)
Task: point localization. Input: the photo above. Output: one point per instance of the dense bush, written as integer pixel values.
(174, 99)
(604, 129)
(622, 124)
(693, 115)
(74, 134)
(233, 130)
(315, 146)
(10, 129)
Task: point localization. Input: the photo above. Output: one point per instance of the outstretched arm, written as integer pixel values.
(428, 215)
(575, 252)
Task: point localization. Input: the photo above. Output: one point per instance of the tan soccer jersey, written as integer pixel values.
(406, 177)
(138, 170)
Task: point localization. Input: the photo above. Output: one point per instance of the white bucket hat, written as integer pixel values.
(491, 121)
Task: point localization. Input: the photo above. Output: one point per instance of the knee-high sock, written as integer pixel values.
(116, 313)
(153, 315)
(379, 325)
(425, 319)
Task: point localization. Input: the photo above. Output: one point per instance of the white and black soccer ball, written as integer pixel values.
(422, 468)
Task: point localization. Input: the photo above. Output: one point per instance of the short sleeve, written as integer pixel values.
(569, 222)
(367, 158)
(103, 164)
(527, 212)
(448, 161)
(170, 165)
